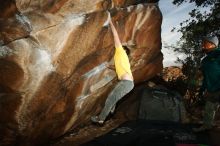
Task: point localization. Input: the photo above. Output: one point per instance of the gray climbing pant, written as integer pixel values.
(211, 106)
(121, 89)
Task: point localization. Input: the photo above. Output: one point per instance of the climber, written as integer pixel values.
(123, 71)
(210, 89)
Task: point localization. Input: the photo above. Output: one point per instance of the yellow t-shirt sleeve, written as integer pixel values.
(122, 65)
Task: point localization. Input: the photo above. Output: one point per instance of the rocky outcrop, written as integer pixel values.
(54, 60)
(172, 73)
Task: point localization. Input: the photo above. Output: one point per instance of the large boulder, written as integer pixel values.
(54, 59)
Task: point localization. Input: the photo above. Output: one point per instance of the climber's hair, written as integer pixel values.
(127, 50)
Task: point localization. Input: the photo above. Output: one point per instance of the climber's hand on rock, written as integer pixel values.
(110, 66)
(108, 19)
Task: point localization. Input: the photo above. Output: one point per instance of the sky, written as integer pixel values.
(172, 17)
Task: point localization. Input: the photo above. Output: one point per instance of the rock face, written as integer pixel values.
(54, 59)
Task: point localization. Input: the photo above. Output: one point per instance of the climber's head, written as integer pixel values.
(127, 50)
(209, 43)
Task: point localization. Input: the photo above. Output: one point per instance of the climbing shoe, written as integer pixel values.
(95, 119)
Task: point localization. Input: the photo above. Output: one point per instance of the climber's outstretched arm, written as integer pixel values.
(115, 35)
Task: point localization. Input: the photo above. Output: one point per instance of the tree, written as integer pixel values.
(199, 24)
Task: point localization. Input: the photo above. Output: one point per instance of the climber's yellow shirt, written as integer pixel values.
(122, 65)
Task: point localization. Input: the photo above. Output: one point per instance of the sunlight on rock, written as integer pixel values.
(55, 58)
